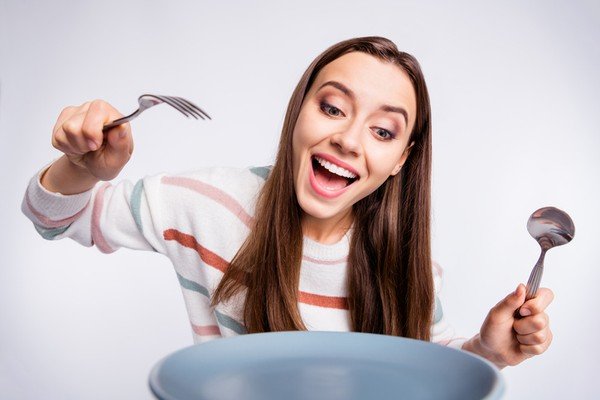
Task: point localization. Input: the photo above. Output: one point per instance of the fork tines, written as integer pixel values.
(184, 106)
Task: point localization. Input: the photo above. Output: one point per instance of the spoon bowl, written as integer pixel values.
(550, 227)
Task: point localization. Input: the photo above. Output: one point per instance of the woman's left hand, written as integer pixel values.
(506, 340)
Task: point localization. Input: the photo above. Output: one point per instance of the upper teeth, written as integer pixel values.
(336, 169)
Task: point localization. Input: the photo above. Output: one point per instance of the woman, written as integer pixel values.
(335, 236)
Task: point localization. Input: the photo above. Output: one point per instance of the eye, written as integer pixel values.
(384, 134)
(330, 110)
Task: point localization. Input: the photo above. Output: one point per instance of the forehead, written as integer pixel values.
(371, 79)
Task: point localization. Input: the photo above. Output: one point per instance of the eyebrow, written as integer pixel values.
(344, 89)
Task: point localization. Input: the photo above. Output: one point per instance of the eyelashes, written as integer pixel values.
(385, 134)
(333, 111)
(328, 108)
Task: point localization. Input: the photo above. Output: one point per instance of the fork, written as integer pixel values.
(146, 101)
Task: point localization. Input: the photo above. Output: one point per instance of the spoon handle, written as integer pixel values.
(534, 280)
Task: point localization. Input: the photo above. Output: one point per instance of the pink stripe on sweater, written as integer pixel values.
(325, 262)
(448, 341)
(206, 330)
(50, 223)
(213, 193)
(97, 236)
(437, 270)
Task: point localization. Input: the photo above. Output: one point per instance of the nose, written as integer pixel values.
(348, 140)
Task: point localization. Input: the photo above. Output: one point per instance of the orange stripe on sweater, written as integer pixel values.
(215, 261)
(323, 301)
(212, 259)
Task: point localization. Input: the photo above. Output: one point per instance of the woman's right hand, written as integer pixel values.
(78, 134)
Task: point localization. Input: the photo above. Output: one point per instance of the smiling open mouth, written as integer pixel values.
(331, 176)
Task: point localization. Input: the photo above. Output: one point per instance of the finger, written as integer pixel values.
(534, 338)
(532, 324)
(536, 349)
(66, 131)
(506, 308)
(66, 138)
(68, 112)
(73, 129)
(98, 114)
(539, 303)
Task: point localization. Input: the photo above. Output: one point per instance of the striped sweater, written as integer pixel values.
(199, 220)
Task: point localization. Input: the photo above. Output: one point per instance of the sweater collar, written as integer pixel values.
(327, 252)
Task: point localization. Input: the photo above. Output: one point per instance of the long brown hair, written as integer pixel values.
(390, 283)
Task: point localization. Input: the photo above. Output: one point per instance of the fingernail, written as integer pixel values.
(122, 134)
(525, 312)
(92, 144)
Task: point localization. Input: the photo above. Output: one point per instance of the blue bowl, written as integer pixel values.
(323, 365)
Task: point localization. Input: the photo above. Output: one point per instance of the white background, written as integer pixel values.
(516, 109)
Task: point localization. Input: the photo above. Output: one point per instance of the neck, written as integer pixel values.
(326, 231)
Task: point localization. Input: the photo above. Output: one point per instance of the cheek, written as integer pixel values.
(300, 144)
(309, 129)
(302, 131)
(382, 161)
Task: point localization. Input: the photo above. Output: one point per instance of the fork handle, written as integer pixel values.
(121, 121)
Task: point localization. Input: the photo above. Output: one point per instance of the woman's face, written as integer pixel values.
(351, 135)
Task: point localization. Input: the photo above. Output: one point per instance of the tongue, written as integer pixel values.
(329, 180)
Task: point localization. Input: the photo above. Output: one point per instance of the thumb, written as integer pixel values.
(106, 162)
(507, 306)
(118, 137)
(119, 146)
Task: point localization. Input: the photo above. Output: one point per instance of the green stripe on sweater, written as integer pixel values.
(223, 319)
(191, 285)
(230, 323)
(439, 313)
(263, 172)
(135, 203)
(50, 233)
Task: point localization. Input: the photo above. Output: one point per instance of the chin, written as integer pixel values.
(312, 208)
(318, 210)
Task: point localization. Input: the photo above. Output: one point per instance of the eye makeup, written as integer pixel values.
(328, 104)
(330, 109)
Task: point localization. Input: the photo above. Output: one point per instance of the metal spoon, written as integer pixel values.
(550, 227)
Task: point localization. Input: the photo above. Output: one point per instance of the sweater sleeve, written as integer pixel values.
(441, 331)
(107, 216)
